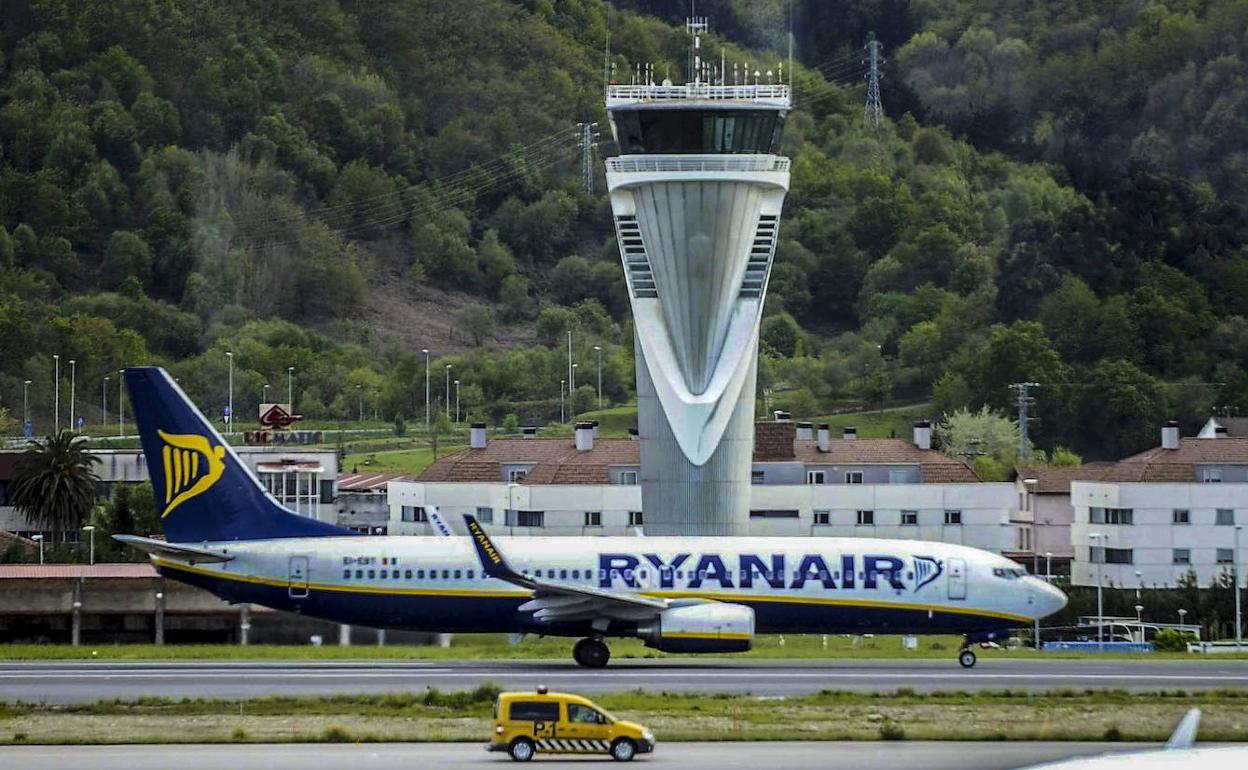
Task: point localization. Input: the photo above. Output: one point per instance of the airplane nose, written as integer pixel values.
(1051, 599)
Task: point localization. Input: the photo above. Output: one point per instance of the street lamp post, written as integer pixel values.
(1100, 606)
(562, 383)
(120, 403)
(1048, 566)
(1139, 621)
(1182, 617)
(56, 394)
(264, 393)
(1030, 486)
(290, 387)
(359, 393)
(426, 352)
(457, 401)
(448, 391)
(229, 418)
(1239, 626)
(104, 402)
(39, 539)
(73, 383)
(90, 530)
(598, 350)
(25, 404)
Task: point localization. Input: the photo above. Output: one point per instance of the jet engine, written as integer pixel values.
(710, 627)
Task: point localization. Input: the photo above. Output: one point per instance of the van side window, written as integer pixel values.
(584, 715)
(532, 711)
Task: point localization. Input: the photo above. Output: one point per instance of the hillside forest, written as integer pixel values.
(1056, 195)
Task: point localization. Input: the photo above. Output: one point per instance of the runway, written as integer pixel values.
(86, 681)
(450, 756)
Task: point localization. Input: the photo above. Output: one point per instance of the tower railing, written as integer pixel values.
(653, 163)
(700, 91)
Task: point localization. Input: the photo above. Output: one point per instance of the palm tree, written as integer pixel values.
(56, 483)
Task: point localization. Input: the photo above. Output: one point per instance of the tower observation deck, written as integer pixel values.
(696, 193)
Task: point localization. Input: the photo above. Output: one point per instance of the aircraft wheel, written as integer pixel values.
(521, 749)
(623, 750)
(966, 658)
(591, 653)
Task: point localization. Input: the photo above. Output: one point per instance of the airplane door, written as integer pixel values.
(957, 578)
(298, 582)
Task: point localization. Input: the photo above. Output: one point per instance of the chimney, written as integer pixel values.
(782, 416)
(805, 431)
(476, 436)
(529, 432)
(1170, 435)
(595, 424)
(632, 434)
(851, 434)
(584, 436)
(923, 435)
(825, 438)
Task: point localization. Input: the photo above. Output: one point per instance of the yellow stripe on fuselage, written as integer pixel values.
(519, 594)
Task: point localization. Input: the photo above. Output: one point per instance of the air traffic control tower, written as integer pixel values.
(696, 192)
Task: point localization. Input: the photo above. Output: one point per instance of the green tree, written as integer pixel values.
(478, 322)
(127, 255)
(781, 333)
(983, 433)
(55, 484)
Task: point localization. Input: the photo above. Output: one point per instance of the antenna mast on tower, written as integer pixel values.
(697, 27)
(874, 113)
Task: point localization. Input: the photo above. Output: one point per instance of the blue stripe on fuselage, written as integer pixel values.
(500, 614)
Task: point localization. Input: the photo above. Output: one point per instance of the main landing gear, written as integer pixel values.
(591, 653)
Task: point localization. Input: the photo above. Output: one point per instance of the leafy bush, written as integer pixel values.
(1172, 640)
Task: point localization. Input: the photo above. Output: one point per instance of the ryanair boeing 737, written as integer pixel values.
(226, 534)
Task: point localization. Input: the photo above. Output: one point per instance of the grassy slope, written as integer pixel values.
(406, 461)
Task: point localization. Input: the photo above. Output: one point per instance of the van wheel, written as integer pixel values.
(623, 750)
(521, 749)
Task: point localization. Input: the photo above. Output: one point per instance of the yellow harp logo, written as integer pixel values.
(192, 465)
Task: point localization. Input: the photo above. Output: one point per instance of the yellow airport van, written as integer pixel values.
(526, 723)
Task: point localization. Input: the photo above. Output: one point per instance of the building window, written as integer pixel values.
(593, 518)
(1226, 517)
(1226, 556)
(898, 477)
(953, 517)
(1100, 555)
(1212, 475)
(414, 513)
(866, 517)
(628, 478)
(910, 517)
(757, 477)
(1182, 556)
(823, 517)
(1112, 515)
(516, 475)
(635, 519)
(788, 513)
(485, 515)
(853, 477)
(530, 518)
(1023, 539)
(816, 477)
(1182, 516)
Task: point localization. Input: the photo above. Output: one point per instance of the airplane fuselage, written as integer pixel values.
(794, 585)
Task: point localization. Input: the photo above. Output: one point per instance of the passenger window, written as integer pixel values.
(563, 574)
(394, 575)
(346, 573)
(359, 573)
(458, 574)
(471, 574)
(446, 574)
(382, 575)
(420, 574)
(407, 575)
(584, 715)
(372, 574)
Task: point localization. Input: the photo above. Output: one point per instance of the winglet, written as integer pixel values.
(492, 561)
(1185, 734)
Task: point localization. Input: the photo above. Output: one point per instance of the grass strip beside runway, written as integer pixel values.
(498, 647)
(465, 716)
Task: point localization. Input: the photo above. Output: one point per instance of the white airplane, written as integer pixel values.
(1180, 753)
(226, 534)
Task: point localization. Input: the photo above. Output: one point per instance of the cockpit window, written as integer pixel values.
(1009, 573)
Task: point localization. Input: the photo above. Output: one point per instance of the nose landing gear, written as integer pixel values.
(591, 653)
(966, 656)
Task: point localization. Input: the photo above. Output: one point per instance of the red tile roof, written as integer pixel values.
(556, 461)
(367, 482)
(1222, 451)
(69, 571)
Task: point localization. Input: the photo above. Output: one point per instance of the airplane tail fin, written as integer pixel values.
(203, 491)
(440, 525)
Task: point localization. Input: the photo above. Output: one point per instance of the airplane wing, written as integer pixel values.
(185, 553)
(556, 602)
(440, 524)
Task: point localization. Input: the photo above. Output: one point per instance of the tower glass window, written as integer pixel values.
(697, 131)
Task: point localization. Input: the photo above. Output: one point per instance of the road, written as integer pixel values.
(449, 756)
(85, 681)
